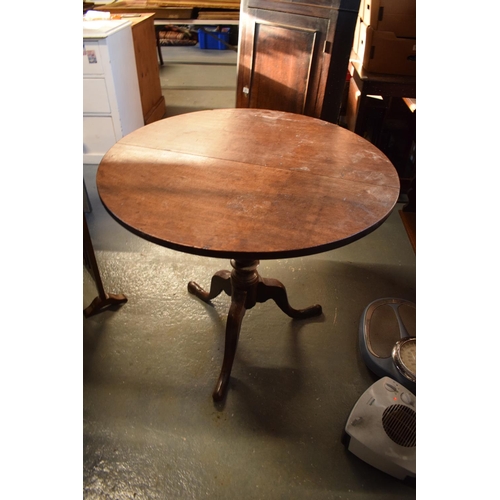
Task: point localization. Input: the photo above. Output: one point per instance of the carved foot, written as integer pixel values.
(98, 304)
(269, 288)
(221, 282)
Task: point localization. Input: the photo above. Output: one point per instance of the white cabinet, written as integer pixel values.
(111, 97)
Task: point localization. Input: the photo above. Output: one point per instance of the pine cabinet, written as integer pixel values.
(148, 72)
(293, 56)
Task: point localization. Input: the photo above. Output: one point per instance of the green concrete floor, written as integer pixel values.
(151, 429)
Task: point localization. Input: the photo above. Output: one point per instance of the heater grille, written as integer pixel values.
(400, 424)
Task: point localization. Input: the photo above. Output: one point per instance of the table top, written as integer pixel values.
(247, 184)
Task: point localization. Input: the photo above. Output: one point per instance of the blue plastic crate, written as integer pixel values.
(207, 41)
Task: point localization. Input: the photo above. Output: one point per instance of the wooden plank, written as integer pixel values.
(159, 13)
(197, 4)
(152, 99)
(217, 15)
(172, 4)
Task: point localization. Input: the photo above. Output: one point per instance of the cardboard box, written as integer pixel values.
(397, 16)
(384, 52)
(361, 10)
(355, 41)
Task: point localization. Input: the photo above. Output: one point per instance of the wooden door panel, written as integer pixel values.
(281, 62)
(313, 8)
(281, 68)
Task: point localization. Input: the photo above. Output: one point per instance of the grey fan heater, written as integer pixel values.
(381, 429)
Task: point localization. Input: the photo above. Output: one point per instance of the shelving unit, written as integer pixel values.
(203, 22)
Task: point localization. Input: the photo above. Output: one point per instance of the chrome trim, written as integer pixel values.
(396, 357)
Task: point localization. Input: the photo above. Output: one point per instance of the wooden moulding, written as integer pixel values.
(159, 12)
(213, 4)
(167, 9)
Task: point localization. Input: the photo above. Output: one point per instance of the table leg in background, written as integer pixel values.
(103, 299)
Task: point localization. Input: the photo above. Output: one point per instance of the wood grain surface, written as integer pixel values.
(247, 184)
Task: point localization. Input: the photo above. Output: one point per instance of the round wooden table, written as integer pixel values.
(247, 185)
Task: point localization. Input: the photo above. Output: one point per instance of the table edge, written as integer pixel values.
(273, 255)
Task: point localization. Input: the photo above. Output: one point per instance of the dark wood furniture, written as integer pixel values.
(103, 299)
(247, 185)
(377, 84)
(359, 119)
(410, 223)
(293, 56)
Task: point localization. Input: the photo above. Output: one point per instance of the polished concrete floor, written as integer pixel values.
(151, 428)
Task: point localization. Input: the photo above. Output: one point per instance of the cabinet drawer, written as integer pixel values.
(98, 134)
(95, 96)
(92, 58)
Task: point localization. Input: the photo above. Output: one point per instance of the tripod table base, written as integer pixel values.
(246, 287)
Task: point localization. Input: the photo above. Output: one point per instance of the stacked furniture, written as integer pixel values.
(383, 61)
(170, 16)
(178, 9)
(385, 38)
(381, 104)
